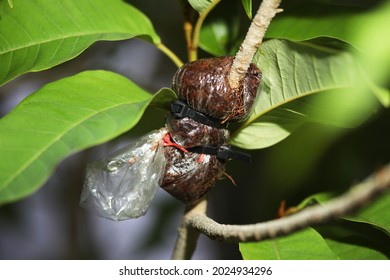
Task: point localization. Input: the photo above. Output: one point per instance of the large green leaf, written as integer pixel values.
(214, 37)
(375, 214)
(373, 37)
(302, 83)
(337, 241)
(363, 26)
(355, 241)
(38, 34)
(61, 118)
(303, 245)
(354, 247)
(344, 239)
(309, 20)
(364, 235)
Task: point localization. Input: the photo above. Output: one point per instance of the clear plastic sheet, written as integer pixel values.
(123, 185)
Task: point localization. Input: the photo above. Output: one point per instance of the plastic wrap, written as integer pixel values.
(123, 185)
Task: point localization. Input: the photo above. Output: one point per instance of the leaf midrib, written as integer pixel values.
(56, 139)
(76, 36)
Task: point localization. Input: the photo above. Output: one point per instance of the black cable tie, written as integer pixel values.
(224, 153)
(181, 110)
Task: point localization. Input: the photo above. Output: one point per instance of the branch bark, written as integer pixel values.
(356, 198)
(267, 10)
(187, 235)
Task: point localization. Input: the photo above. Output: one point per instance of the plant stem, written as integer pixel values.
(357, 197)
(170, 54)
(253, 39)
(188, 26)
(187, 33)
(193, 51)
(188, 236)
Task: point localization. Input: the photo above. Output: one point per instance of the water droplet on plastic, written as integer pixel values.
(113, 166)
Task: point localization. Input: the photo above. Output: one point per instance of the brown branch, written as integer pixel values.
(187, 235)
(267, 10)
(356, 198)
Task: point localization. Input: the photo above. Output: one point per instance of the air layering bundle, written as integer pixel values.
(187, 156)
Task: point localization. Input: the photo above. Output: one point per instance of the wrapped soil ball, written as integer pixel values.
(204, 86)
(189, 176)
(190, 133)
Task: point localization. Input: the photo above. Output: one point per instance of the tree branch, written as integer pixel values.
(357, 197)
(187, 235)
(267, 10)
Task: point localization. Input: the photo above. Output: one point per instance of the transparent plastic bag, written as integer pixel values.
(123, 185)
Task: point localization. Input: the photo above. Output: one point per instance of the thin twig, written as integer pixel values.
(188, 24)
(188, 236)
(193, 55)
(267, 10)
(170, 54)
(356, 198)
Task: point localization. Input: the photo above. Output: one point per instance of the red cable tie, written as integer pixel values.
(167, 142)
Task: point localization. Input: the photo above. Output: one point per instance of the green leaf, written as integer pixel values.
(200, 5)
(214, 37)
(302, 83)
(372, 36)
(316, 198)
(220, 32)
(376, 214)
(364, 235)
(36, 35)
(313, 20)
(62, 118)
(303, 245)
(355, 241)
(351, 248)
(342, 239)
(247, 4)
